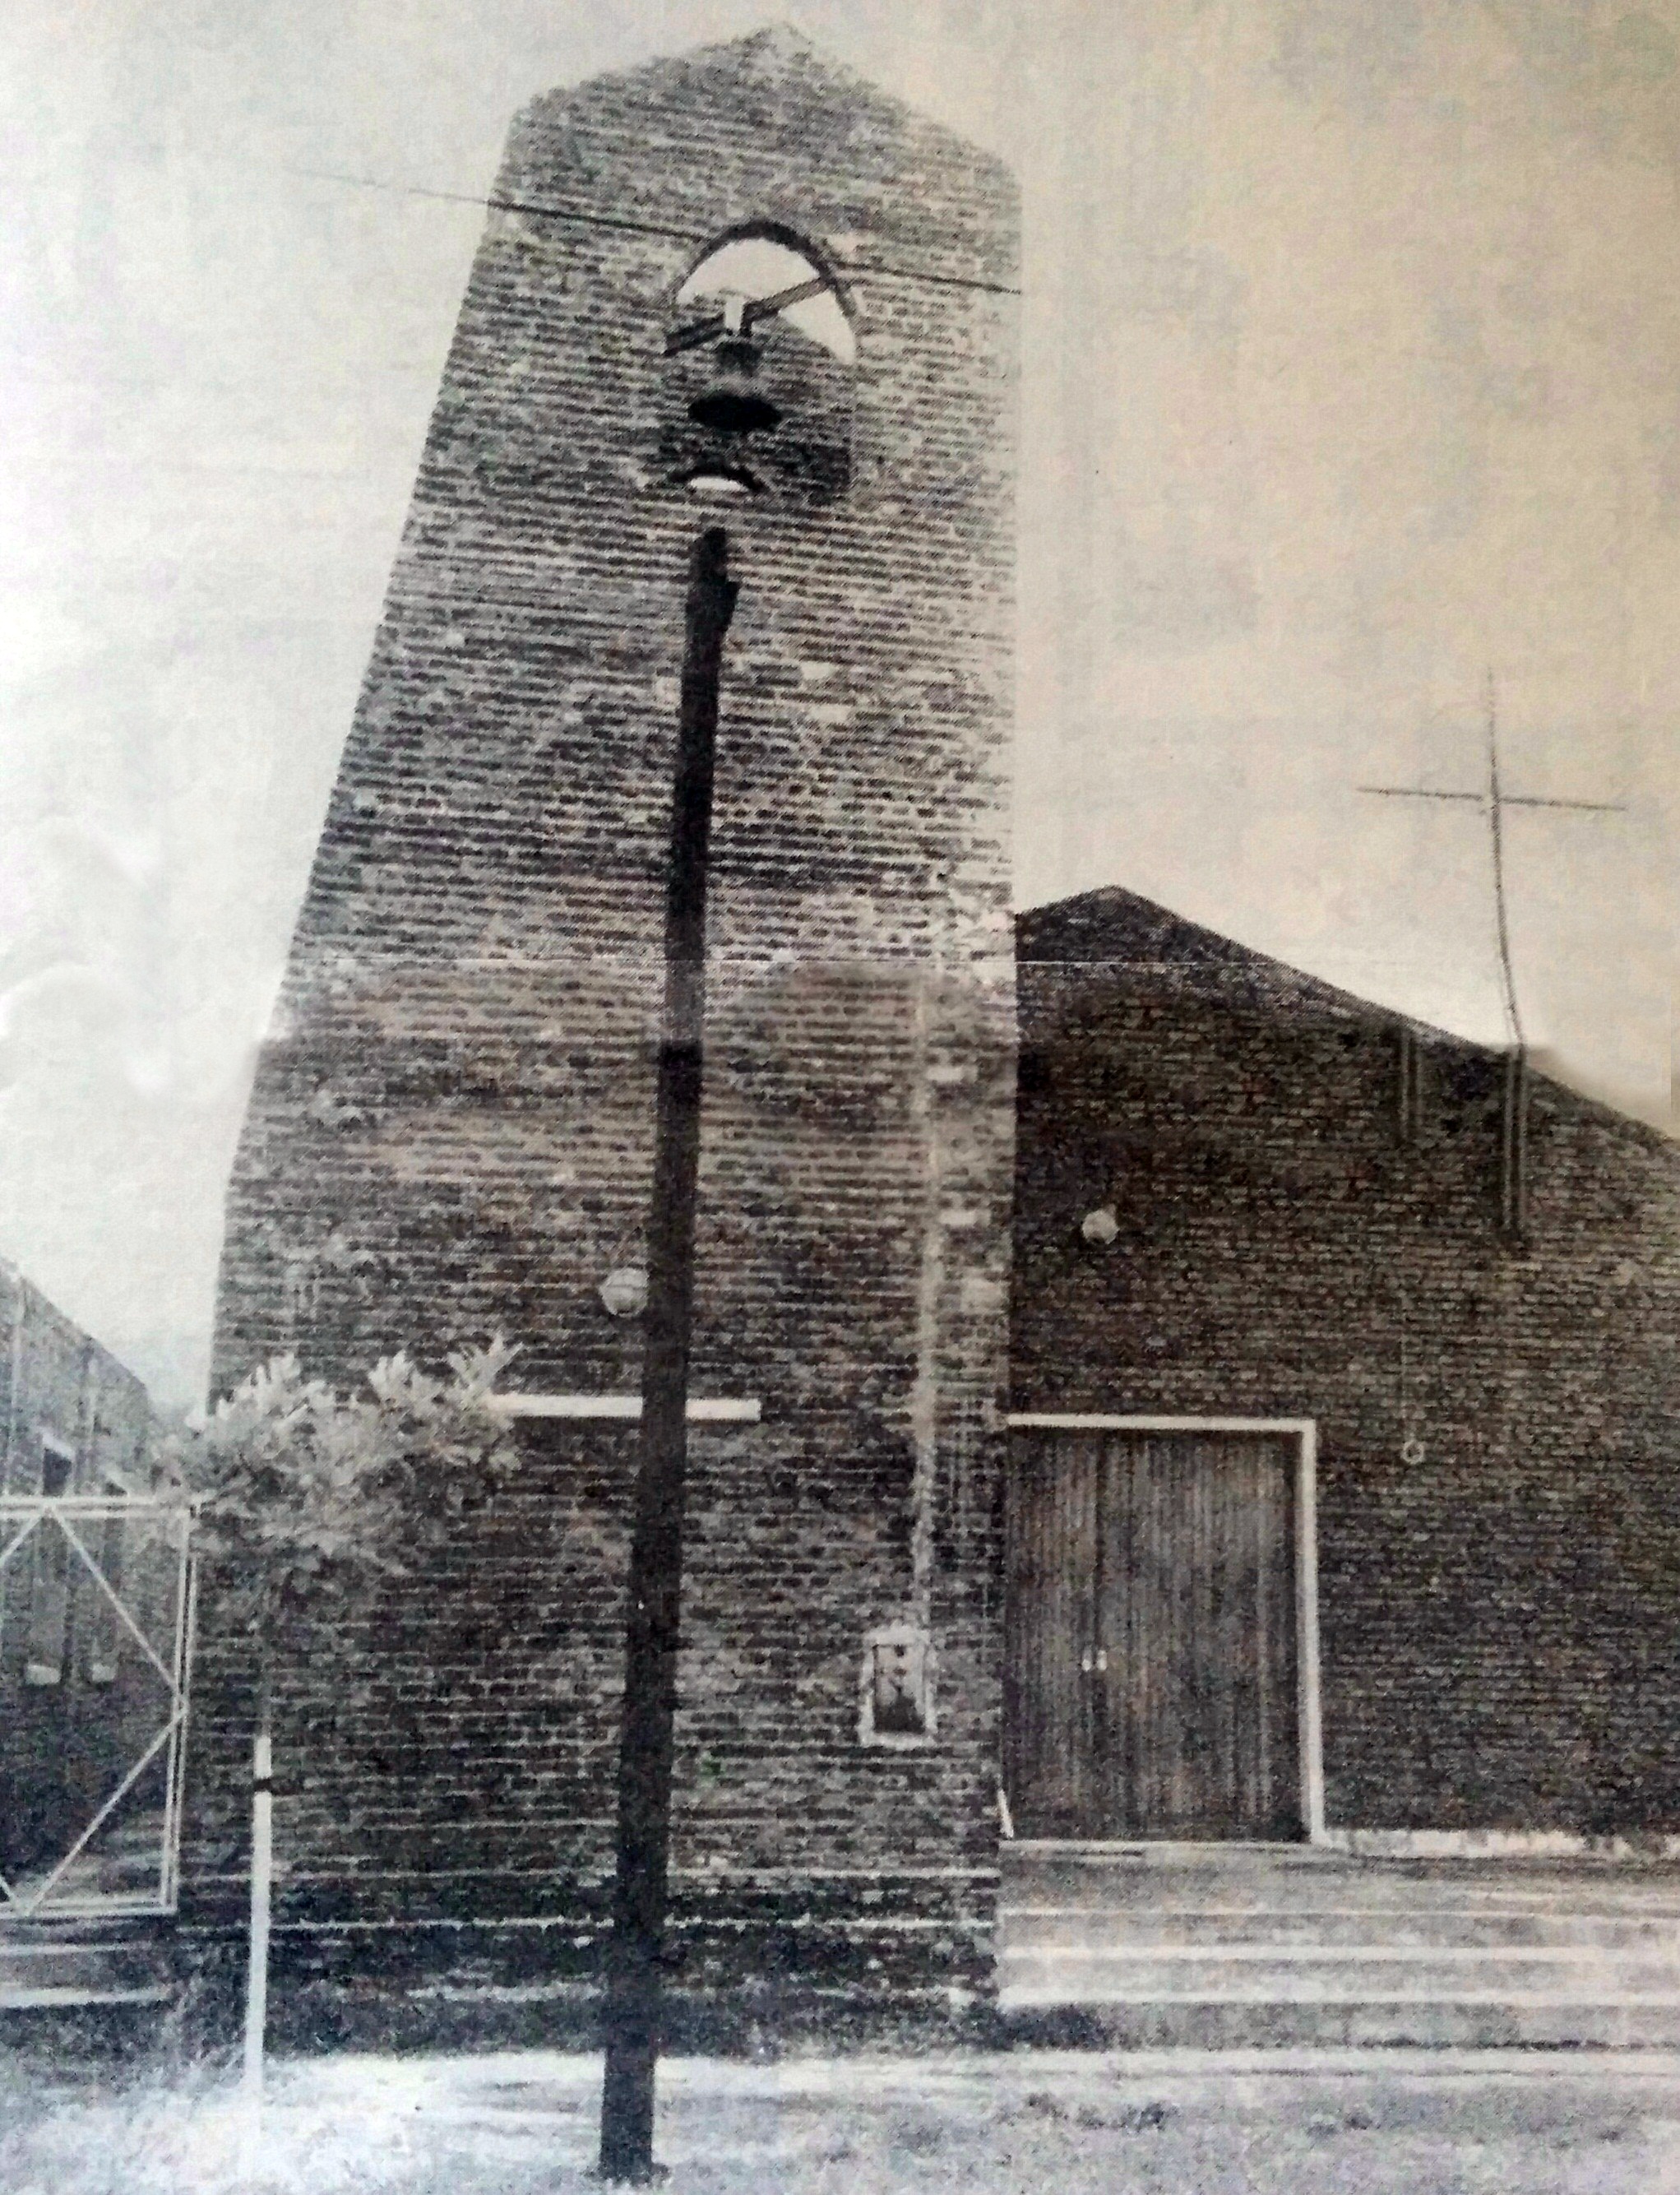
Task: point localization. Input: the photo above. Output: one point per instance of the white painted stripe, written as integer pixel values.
(703, 1922)
(702, 1410)
(1127, 2072)
(39, 2000)
(973, 1923)
(737, 1879)
(66, 1950)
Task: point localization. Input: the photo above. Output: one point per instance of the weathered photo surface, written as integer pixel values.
(839, 1212)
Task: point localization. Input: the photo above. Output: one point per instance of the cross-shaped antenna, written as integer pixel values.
(1494, 801)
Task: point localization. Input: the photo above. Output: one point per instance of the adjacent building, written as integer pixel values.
(83, 1593)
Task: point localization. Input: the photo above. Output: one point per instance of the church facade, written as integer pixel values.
(1313, 1496)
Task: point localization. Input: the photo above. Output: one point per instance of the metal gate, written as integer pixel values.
(95, 1640)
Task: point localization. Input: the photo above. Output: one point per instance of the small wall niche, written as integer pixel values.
(895, 1692)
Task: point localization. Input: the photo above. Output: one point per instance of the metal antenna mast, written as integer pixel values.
(1494, 803)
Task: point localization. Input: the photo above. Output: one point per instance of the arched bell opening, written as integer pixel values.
(772, 272)
(761, 352)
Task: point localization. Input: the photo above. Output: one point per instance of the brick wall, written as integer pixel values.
(1501, 1646)
(451, 1128)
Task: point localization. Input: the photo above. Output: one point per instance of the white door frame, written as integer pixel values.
(1305, 1431)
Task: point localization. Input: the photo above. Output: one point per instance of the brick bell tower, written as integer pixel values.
(741, 289)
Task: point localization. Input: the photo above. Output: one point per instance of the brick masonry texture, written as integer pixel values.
(1501, 1647)
(451, 1128)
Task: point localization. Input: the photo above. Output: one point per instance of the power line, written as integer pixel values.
(586, 217)
(578, 213)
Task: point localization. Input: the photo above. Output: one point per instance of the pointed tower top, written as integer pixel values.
(768, 126)
(781, 41)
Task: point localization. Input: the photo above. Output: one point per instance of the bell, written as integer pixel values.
(733, 403)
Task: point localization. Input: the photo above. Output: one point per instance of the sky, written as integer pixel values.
(1351, 383)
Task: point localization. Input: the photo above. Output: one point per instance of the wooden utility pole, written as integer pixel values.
(655, 1586)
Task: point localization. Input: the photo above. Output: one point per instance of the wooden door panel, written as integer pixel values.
(1051, 1749)
(1197, 1625)
(1150, 1682)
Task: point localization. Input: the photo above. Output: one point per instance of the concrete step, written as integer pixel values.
(78, 1966)
(1349, 1973)
(1464, 2022)
(1280, 1878)
(1135, 1927)
(1234, 1947)
(40, 1970)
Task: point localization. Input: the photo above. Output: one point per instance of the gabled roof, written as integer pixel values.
(1116, 929)
(1121, 932)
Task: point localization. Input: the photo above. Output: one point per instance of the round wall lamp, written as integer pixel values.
(625, 1290)
(1101, 1226)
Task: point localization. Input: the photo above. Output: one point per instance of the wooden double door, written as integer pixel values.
(1150, 1685)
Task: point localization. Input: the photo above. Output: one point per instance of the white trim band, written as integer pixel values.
(702, 1410)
